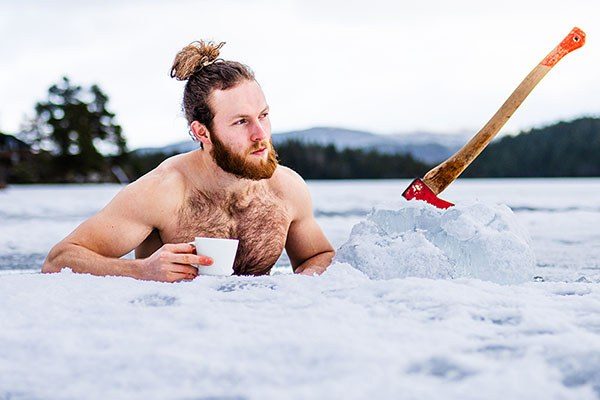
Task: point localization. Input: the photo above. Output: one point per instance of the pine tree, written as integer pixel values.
(75, 126)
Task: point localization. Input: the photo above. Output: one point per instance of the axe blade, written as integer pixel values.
(418, 190)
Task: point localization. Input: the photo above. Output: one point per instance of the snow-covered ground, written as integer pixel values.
(341, 335)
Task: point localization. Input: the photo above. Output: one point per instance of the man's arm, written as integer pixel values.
(95, 246)
(307, 247)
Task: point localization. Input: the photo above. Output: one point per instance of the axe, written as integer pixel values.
(438, 179)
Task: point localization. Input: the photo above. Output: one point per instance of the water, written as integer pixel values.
(561, 215)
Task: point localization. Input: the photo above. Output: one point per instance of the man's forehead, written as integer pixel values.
(246, 97)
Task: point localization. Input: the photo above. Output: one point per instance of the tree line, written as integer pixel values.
(73, 137)
(565, 149)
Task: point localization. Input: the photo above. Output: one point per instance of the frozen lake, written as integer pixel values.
(68, 336)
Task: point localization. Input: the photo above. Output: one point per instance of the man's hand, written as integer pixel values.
(311, 270)
(172, 263)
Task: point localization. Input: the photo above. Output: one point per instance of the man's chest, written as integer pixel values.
(259, 223)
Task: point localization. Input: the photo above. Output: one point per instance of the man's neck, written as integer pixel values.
(215, 180)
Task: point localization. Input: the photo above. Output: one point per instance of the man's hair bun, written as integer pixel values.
(193, 57)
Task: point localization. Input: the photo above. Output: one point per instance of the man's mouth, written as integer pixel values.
(259, 152)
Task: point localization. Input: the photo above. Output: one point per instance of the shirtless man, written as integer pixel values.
(231, 187)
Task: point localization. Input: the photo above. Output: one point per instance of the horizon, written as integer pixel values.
(465, 133)
(452, 75)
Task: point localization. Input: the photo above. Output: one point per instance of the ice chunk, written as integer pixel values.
(474, 241)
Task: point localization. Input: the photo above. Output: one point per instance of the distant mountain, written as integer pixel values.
(453, 140)
(427, 147)
(340, 138)
(430, 147)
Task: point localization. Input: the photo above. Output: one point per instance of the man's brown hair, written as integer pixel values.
(198, 63)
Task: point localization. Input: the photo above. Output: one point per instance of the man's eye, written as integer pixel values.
(240, 122)
(264, 115)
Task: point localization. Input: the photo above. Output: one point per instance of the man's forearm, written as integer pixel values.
(317, 264)
(82, 260)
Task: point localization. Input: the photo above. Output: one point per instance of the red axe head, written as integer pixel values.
(418, 190)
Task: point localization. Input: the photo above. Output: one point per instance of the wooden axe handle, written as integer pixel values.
(444, 174)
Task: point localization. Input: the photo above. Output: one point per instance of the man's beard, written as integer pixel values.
(241, 165)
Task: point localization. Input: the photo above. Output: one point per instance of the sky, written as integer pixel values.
(382, 66)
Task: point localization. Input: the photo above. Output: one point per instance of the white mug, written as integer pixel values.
(222, 252)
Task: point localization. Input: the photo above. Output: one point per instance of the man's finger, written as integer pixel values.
(180, 248)
(183, 269)
(177, 276)
(188, 259)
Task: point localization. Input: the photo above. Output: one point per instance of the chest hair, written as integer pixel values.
(258, 219)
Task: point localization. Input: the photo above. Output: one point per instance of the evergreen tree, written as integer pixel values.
(75, 126)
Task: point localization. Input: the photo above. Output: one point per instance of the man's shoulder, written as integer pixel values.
(285, 180)
(168, 173)
(166, 181)
(292, 189)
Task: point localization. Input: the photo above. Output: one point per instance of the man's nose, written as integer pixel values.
(258, 132)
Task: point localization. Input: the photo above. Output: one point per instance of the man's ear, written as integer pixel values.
(200, 133)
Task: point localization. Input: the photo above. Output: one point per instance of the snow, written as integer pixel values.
(473, 241)
(340, 335)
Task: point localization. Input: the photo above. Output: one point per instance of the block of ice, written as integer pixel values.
(472, 241)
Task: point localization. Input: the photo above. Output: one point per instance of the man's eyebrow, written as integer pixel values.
(246, 116)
